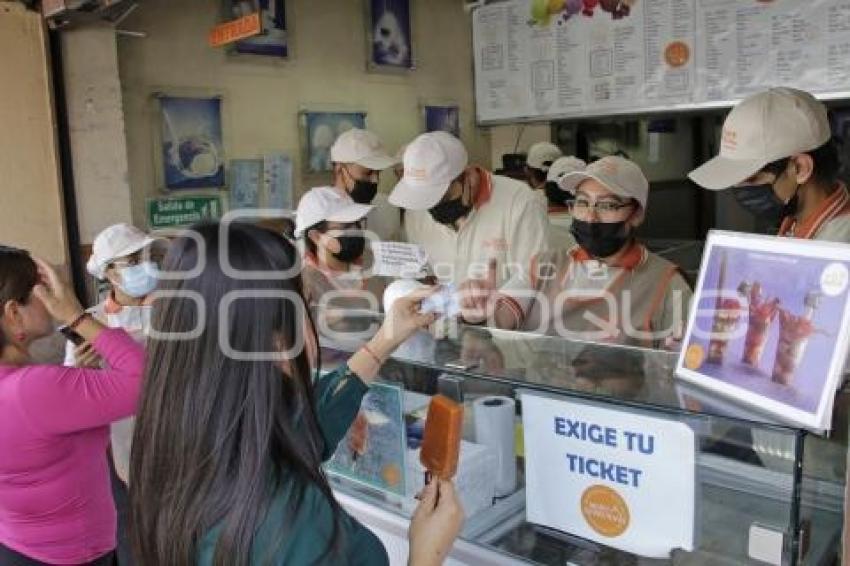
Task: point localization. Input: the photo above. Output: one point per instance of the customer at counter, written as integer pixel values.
(778, 156)
(55, 500)
(358, 158)
(464, 216)
(540, 157)
(609, 288)
(239, 443)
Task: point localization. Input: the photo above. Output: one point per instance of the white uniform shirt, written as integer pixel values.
(507, 223)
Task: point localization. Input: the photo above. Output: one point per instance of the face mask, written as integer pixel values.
(555, 195)
(762, 202)
(600, 239)
(350, 248)
(364, 191)
(138, 280)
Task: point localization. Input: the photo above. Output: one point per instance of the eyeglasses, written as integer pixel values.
(605, 207)
(136, 259)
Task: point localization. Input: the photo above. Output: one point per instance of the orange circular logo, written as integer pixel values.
(391, 475)
(677, 54)
(694, 356)
(605, 511)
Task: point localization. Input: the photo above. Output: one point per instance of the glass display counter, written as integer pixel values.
(764, 492)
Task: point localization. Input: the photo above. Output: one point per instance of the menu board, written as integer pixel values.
(544, 59)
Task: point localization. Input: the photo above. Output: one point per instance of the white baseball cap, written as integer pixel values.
(761, 129)
(118, 240)
(563, 166)
(542, 154)
(619, 175)
(431, 162)
(326, 204)
(363, 148)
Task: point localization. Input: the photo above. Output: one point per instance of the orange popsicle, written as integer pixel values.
(441, 440)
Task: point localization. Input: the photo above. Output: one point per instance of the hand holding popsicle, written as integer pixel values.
(441, 441)
(435, 524)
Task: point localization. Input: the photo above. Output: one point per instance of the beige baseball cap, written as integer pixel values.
(326, 204)
(116, 241)
(621, 176)
(431, 162)
(363, 148)
(761, 129)
(563, 166)
(542, 154)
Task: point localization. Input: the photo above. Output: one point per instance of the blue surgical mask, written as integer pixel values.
(139, 280)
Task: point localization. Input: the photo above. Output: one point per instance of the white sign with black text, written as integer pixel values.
(612, 476)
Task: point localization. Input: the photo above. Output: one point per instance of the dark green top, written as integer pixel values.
(338, 397)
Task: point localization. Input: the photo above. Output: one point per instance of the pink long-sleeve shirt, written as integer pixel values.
(55, 498)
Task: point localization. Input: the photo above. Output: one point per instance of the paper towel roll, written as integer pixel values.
(494, 427)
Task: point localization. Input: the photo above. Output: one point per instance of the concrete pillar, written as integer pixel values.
(96, 124)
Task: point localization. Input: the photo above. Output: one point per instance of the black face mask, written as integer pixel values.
(350, 248)
(600, 239)
(762, 202)
(555, 195)
(450, 211)
(364, 191)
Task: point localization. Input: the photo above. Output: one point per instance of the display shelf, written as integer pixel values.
(751, 473)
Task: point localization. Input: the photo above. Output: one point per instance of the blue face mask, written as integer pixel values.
(139, 280)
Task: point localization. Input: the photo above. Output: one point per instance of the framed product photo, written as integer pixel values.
(274, 40)
(769, 325)
(319, 132)
(373, 451)
(442, 118)
(389, 35)
(189, 142)
(245, 178)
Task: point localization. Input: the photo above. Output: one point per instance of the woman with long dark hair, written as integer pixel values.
(234, 426)
(55, 501)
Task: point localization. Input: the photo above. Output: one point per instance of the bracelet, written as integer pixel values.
(79, 319)
(372, 354)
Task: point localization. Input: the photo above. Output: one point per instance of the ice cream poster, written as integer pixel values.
(192, 150)
(390, 34)
(374, 448)
(768, 325)
(322, 129)
(601, 474)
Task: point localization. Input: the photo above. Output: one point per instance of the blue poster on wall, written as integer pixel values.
(277, 177)
(390, 29)
(442, 119)
(274, 40)
(245, 183)
(192, 149)
(322, 130)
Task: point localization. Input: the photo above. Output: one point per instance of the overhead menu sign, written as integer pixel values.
(609, 475)
(542, 59)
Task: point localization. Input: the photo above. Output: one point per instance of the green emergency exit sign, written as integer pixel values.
(183, 211)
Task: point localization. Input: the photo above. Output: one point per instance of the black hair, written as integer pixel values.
(538, 176)
(217, 438)
(826, 165)
(18, 276)
(311, 245)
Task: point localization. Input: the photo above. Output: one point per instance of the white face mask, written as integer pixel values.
(138, 280)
